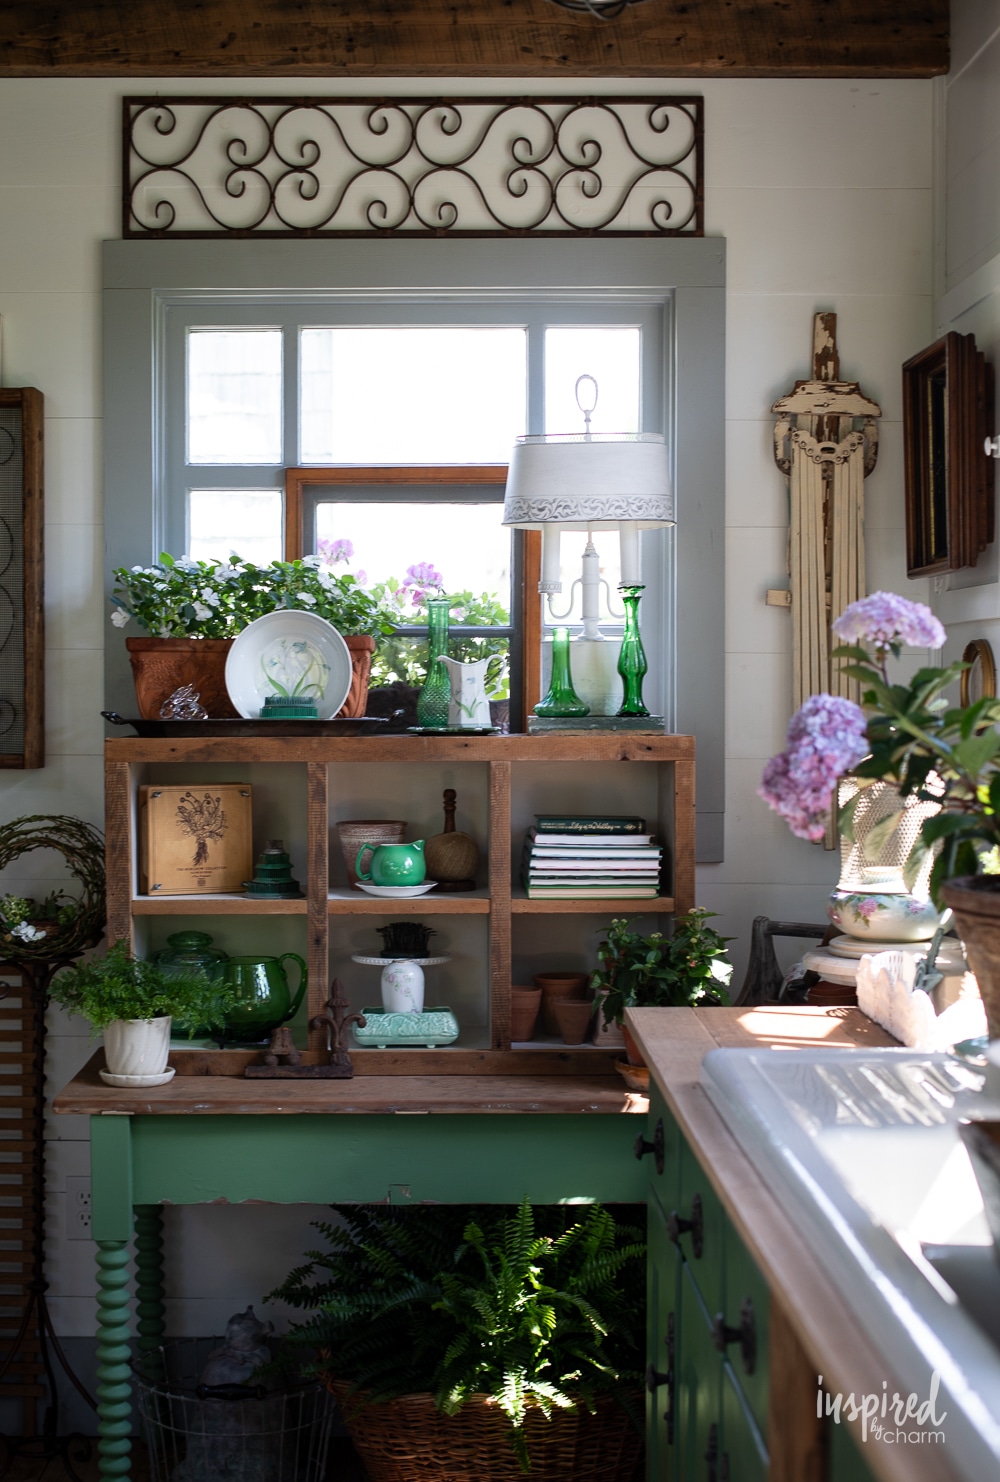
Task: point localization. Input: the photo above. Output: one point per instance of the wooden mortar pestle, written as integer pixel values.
(451, 857)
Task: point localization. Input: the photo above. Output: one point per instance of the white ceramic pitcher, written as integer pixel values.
(468, 705)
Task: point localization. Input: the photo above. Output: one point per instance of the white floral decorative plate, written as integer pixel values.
(289, 653)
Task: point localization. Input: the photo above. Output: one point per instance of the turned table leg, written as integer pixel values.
(149, 1276)
(114, 1380)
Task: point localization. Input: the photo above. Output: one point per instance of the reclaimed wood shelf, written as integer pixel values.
(520, 775)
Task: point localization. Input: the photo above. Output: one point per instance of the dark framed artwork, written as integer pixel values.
(979, 681)
(22, 632)
(947, 415)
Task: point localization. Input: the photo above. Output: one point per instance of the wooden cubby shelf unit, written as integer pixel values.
(521, 775)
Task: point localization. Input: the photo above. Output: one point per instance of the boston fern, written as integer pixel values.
(528, 1306)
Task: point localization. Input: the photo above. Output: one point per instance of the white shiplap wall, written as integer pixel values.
(824, 190)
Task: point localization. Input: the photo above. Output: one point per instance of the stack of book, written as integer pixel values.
(567, 857)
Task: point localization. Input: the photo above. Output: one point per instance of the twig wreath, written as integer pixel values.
(82, 847)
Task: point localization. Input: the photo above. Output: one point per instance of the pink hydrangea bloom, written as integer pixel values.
(422, 574)
(885, 618)
(826, 738)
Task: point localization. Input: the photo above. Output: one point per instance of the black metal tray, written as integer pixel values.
(361, 725)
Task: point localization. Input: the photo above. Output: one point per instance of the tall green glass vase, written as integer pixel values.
(435, 697)
(562, 699)
(632, 664)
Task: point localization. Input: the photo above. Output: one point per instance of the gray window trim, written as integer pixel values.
(686, 277)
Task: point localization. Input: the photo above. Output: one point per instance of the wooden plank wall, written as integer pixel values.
(471, 38)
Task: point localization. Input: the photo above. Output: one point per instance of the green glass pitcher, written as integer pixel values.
(263, 997)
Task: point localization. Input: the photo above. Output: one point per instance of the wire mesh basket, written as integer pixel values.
(227, 1432)
(879, 801)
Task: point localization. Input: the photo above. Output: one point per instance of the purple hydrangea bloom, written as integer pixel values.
(826, 738)
(885, 618)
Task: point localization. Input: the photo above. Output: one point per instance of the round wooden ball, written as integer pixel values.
(451, 857)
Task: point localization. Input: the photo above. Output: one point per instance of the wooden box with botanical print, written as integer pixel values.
(195, 839)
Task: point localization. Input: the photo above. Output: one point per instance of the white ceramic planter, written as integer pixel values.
(881, 909)
(137, 1047)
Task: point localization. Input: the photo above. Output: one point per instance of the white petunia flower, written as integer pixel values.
(202, 612)
(306, 598)
(212, 598)
(119, 618)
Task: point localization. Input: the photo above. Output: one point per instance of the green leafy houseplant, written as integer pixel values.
(117, 986)
(657, 971)
(531, 1308)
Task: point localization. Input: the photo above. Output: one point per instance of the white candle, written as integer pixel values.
(628, 534)
(551, 575)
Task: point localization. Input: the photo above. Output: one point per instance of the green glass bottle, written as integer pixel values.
(562, 699)
(435, 697)
(632, 664)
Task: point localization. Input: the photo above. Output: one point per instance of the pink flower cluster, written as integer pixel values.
(421, 576)
(335, 551)
(826, 738)
(885, 618)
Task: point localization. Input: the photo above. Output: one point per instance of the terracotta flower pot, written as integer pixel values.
(361, 648)
(632, 1052)
(524, 1006)
(573, 1016)
(162, 665)
(555, 986)
(975, 900)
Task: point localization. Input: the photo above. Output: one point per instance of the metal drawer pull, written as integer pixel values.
(656, 1377)
(677, 1226)
(745, 1335)
(657, 1147)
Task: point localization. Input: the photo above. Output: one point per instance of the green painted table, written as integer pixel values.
(403, 1139)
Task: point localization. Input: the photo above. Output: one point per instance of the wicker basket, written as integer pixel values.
(410, 1440)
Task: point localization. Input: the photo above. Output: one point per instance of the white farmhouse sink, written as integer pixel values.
(862, 1151)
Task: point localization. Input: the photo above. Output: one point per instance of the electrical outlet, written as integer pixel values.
(78, 1209)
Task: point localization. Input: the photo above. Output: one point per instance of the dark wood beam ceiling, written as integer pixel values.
(471, 38)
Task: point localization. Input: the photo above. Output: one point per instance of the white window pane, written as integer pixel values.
(465, 544)
(234, 396)
(609, 353)
(411, 395)
(571, 547)
(247, 521)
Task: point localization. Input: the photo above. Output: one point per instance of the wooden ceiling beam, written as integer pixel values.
(470, 38)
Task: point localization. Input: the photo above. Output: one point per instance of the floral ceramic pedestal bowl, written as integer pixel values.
(881, 909)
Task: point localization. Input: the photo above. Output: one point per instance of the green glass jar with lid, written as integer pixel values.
(189, 951)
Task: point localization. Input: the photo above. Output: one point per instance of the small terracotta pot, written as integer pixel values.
(524, 1006)
(573, 1016)
(356, 832)
(555, 986)
(162, 665)
(632, 1051)
(824, 993)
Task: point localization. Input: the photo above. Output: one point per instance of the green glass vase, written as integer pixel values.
(562, 699)
(435, 697)
(632, 664)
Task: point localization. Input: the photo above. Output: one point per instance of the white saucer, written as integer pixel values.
(949, 953)
(397, 892)
(137, 1080)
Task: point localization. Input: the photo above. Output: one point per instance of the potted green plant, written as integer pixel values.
(480, 1341)
(656, 971)
(192, 610)
(133, 1003)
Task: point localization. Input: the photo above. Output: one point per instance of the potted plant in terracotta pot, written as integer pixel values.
(656, 971)
(192, 611)
(908, 735)
(134, 1003)
(480, 1341)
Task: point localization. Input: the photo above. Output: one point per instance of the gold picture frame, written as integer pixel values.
(979, 681)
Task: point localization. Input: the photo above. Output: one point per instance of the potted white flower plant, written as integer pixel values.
(133, 1003)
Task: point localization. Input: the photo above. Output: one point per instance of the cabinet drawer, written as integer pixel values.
(665, 1181)
(699, 1381)
(663, 1270)
(744, 1454)
(747, 1307)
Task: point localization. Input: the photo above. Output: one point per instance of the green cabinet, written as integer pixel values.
(707, 1381)
(847, 1462)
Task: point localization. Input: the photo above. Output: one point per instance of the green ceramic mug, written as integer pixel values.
(393, 864)
(263, 998)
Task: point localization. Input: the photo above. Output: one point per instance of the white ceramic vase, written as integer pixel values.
(137, 1047)
(881, 909)
(403, 987)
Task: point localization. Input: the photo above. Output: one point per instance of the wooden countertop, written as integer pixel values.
(674, 1042)
(200, 1095)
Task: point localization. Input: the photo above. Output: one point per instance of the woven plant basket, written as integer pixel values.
(409, 1440)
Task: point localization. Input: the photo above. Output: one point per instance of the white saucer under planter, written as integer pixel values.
(137, 1081)
(138, 1050)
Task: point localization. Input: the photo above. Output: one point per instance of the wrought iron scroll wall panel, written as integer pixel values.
(22, 692)
(459, 167)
